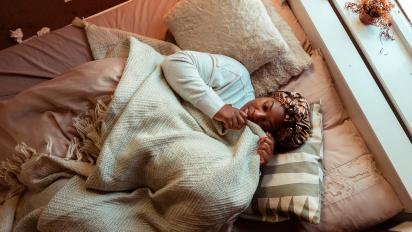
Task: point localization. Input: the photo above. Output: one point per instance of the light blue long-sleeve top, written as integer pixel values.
(208, 81)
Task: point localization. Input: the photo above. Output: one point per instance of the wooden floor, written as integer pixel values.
(32, 15)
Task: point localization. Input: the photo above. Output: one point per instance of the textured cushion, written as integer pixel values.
(277, 72)
(241, 29)
(291, 183)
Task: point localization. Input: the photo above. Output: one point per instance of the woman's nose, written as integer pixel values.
(259, 116)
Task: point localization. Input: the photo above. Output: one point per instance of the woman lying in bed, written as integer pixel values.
(156, 170)
(220, 87)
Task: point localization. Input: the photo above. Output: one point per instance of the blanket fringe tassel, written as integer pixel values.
(84, 148)
(11, 168)
(78, 22)
(88, 127)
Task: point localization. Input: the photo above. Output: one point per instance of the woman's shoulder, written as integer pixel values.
(185, 55)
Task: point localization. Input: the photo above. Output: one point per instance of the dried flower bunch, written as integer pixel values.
(377, 10)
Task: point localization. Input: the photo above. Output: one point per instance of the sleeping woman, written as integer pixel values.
(220, 87)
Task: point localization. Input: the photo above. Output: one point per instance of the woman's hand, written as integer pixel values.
(231, 117)
(265, 148)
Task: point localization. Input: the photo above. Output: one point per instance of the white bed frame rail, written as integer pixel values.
(361, 96)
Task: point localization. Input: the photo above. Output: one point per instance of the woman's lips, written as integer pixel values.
(249, 111)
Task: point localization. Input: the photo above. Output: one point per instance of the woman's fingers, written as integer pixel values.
(229, 124)
(235, 122)
(238, 120)
(241, 118)
(262, 161)
(265, 140)
(241, 121)
(231, 117)
(262, 156)
(265, 147)
(270, 142)
(270, 137)
(243, 114)
(226, 125)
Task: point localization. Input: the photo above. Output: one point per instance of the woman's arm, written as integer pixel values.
(181, 71)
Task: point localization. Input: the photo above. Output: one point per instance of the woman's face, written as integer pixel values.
(266, 112)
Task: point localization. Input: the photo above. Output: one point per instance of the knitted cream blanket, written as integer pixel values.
(163, 165)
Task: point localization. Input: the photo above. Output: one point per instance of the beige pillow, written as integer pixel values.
(241, 29)
(281, 69)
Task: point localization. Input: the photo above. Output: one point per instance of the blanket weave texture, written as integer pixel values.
(163, 165)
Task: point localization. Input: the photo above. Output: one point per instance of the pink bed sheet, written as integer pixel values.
(40, 59)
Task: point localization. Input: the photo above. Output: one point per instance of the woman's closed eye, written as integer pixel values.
(266, 106)
(269, 105)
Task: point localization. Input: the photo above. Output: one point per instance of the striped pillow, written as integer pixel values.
(291, 183)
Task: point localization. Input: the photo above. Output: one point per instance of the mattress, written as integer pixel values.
(356, 195)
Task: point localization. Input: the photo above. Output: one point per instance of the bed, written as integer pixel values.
(356, 195)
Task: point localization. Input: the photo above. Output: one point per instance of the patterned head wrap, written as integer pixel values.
(297, 126)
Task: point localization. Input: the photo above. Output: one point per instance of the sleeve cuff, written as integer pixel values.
(210, 104)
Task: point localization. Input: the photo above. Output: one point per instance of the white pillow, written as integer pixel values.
(241, 29)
